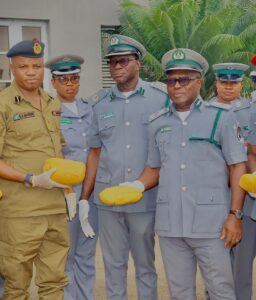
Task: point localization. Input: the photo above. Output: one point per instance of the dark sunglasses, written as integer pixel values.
(183, 81)
(123, 62)
(64, 79)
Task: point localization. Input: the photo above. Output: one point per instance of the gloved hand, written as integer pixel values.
(71, 204)
(136, 184)
(83, 217)
(44, 180)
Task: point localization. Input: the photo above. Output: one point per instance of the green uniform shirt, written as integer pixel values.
(28, 137)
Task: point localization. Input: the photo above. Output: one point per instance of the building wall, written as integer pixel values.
(73, 27)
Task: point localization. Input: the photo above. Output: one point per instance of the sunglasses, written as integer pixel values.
(123, 62)
(64, 79)
(183, 81)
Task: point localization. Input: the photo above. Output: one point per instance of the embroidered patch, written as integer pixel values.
(25, 115)
(56, 113)
(107, 115)
(166, 129)
(66, 121)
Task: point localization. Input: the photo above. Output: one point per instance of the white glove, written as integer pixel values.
(253, 195)
(136, 184)
(71, 204)
(83, 217)
(44, 180)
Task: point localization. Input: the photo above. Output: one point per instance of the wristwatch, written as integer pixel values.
(27, 179)
(238, 213)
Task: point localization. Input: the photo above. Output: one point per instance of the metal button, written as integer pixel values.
(83, 134)
(183, 144)
(129, 170)
(183, 166)
(79, 120)
(184, 188)
(128, 146)
(85, 150)
(127, 123)
(127, 101)
(185, 123)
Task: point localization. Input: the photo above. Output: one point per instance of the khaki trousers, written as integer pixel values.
(43, 240)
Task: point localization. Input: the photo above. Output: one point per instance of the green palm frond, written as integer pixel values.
(209, 26)
(152, 68)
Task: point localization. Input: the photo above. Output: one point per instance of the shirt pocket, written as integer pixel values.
(106, 127)
(162, 213)
(28, 127)
(163, 140)
(210, 211)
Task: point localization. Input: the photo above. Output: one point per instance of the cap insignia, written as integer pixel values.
(37, 47)
(178, 55)
(114, 40)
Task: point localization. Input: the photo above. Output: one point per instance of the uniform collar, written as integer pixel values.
(140, 89)
(18, 97)
(83, 109)
(197, 104)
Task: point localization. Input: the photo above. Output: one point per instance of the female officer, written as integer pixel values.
(76, 118)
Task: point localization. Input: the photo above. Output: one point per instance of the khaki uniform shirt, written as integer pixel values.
(28, 137)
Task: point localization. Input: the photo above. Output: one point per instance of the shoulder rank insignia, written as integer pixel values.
(17, 99)
(101, 94)
(159, 86)
(158, 114)
(112, 96)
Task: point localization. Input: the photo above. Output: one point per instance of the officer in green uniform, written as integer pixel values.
(33, 224)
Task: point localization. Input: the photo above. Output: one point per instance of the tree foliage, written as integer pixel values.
(222, 31)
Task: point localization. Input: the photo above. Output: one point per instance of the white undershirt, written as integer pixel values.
(127, 94)
(71, 106)
(183, 114)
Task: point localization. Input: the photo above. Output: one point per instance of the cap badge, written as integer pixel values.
(178, 55)
(114, 40)
(37, 47)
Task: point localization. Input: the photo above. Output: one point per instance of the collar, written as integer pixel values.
(18, 97)
(83, 108)
(139, 89)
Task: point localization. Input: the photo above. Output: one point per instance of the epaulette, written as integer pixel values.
(158, 114)
(159, 86)
(241, 104)
(84, 100)
(219, 105)
(96, 98)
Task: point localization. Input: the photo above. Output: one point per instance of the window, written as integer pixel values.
(106, 31)
(13, 31)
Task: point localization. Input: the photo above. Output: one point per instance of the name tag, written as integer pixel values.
(107, 115)
(25, 115)
(65, 121)
(166, 129)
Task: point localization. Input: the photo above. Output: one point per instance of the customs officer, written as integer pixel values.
(76, 119)
(33, 222)
(191, 143)
(118, 152)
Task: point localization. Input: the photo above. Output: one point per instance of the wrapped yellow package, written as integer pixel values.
(248, 183)
(120, 195)
(69, 172)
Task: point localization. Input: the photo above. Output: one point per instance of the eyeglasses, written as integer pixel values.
(123, 62)
(64, 79)
(183, 81)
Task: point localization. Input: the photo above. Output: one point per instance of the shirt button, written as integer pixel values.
(127, 123)
(183, 166)
(83, 134)
(85, 150)
(183, 144)
(127, 101)
(129, 170)
(79, 120)
(128, 146)
(184, 188)
(185, 123)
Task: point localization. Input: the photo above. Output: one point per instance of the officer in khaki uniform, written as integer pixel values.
(118, 146)
(191, 143)
(33, 224)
